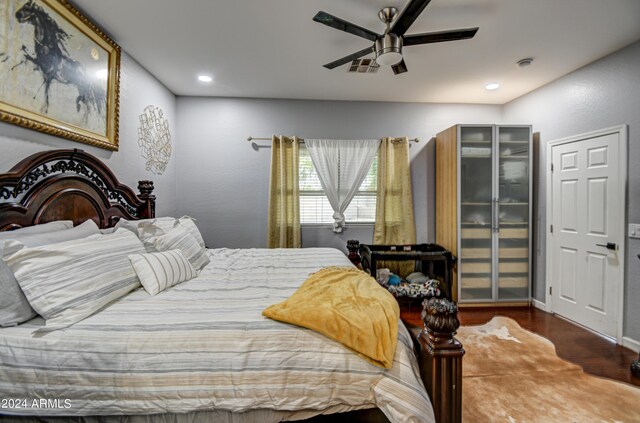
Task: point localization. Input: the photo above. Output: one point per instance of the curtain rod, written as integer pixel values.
(302, 139)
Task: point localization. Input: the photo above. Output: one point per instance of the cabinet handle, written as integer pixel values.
(493, 215)
(496, 213)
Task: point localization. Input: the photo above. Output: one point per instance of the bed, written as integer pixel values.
(202, 351)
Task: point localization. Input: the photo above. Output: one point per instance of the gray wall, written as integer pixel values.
(138, 89)
(224, 180)
(603, 94)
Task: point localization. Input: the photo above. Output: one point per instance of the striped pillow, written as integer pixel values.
(181, 239)
(159, 271)
(69, 281)
(14, 306)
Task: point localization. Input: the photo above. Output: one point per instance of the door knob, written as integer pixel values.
(609, 245)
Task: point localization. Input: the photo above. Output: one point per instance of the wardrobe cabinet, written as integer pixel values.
(483, 210)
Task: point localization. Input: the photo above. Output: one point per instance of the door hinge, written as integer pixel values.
(550, 290)
(551, 228)
(552, 167)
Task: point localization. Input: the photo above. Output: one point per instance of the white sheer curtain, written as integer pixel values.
(341, 166)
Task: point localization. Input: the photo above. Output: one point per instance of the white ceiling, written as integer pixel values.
(273, 49)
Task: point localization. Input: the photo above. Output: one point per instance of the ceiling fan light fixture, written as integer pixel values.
(389, 49)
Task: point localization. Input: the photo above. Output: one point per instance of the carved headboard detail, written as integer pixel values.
(69, 185)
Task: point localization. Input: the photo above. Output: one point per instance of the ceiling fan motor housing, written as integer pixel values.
(389, 49)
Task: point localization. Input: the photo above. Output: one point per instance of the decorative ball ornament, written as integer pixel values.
(154, 139)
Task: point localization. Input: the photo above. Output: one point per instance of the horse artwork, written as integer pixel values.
(58, 71)
(53, 61)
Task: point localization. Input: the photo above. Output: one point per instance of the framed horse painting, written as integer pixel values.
(59, 73)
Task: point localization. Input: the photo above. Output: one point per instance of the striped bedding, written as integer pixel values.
(204, 345)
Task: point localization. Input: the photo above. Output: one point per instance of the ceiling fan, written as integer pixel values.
(388, 46)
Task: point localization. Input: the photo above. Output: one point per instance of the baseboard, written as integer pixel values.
(632, 344)
(538, 304)
(495, 304)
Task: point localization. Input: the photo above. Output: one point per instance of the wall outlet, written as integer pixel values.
(634, 230)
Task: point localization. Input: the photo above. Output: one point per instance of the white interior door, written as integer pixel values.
(586, 260)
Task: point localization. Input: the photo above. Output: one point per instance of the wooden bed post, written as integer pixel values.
(148, 209)
(440, 356)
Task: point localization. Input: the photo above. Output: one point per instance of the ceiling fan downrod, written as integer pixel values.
(387, 15)
(389, 46)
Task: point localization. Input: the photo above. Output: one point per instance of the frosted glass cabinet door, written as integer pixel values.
(513, 212)
(476, 176)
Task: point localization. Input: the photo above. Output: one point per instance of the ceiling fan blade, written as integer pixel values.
(349, 58)
(399, 68)
(342, 25)
(408, 16)
(437, 37)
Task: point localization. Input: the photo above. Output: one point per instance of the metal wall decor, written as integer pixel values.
(59, 72)
(154, 139)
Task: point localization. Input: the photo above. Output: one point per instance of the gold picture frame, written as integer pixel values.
(60, 73)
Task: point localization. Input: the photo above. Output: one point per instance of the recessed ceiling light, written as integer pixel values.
(204, 78)
(492, 86)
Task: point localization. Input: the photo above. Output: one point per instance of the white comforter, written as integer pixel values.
(204, 345)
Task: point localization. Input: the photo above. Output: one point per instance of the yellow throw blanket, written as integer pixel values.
(348, 306)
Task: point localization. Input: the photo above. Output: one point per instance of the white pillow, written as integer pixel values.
(14, 307)
(159, 271)
(190, 224)
(37, 229)
(132, 225)
(154, 227)
(69, 281)
(83, 230)
(180, 238)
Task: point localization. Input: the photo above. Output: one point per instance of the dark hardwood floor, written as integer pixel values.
(596, 354)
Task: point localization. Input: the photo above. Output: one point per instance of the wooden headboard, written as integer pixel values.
(69, 185)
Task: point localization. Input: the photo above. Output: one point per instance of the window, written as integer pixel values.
(314, 205)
